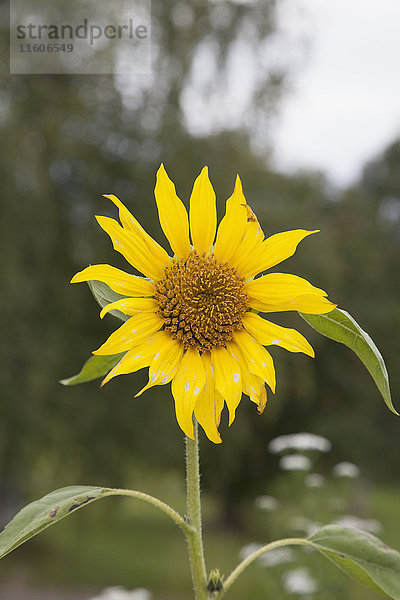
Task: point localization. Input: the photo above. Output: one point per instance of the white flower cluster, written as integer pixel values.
(248, 549)
(267, 503)
(270, 558)
(346, 469)
(299, 581)
(119, 593)
(295, 462)
(278, 556)
(301, 442)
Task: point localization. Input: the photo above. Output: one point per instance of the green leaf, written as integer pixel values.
(95, 367)
(338, 325)
(45, 512)
(98, 366)
(362, 556)
(50, 509)
(105, 295)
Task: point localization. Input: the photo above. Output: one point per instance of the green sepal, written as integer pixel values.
(338, 325)
(95, 367)
(362, 556)
(215, 581)
(105, 295)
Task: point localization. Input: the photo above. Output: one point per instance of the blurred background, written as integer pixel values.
(300, 98)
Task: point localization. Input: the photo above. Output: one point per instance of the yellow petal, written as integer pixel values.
(117, 280)
(186, 387)
(133, 332)
(311, 304)
(252, 240)
(261, 400)
(134, 249)
(278, 288)
(267, 334)
(227, 378)
(129, 222)
(246, 251)
(258, 359)
(233, 226)
(125, 216)
(165, 363)
(131, 306)
(137, 358)
(251, 384)
(272, 251)
(172, 214)
(254, 236)
(203, 213)
(209, 404)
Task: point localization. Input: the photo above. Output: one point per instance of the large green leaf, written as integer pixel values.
(105, 295)
(338, 325)
(95, 367)
(50, 509)
(363, 556)
(45, 512)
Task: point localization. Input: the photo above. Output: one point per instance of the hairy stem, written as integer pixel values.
(194, 537)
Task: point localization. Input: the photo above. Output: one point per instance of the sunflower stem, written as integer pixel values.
(194, 537)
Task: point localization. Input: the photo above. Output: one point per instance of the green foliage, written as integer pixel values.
(53, 507)
(363, 557)
(94, 367)
(123, 541)
(42, 513)
(338, 325)
(105, 295)
(98, 366)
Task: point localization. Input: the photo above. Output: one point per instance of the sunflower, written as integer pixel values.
(193, 317)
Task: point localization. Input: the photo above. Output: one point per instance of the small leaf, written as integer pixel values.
(105, 295)
(95, 367)
(45, 512)
(98, 366)
(362, 556)
(338, 325)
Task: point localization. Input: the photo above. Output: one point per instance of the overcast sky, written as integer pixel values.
(345, 107)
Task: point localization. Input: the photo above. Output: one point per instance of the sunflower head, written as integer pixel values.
(202, 301)
(193, 316)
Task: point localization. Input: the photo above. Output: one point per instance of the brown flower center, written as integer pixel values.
(202, 301)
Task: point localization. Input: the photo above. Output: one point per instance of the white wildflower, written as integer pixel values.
(267, 503)
(295, 462)
(346, 469)
(119, 593)
(299, 581)
(278, 556)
